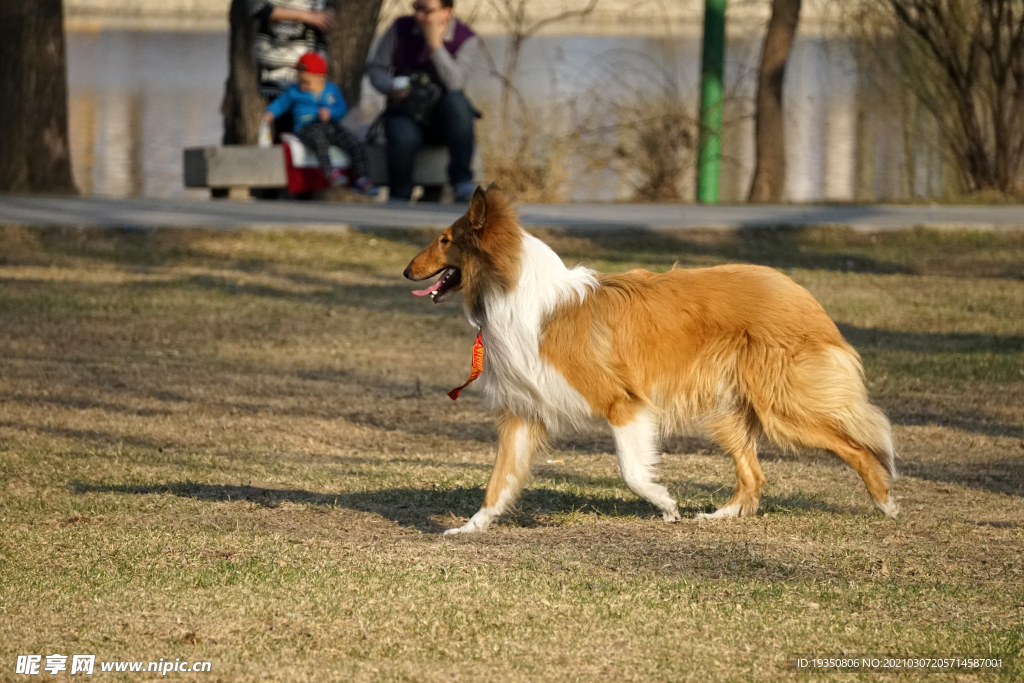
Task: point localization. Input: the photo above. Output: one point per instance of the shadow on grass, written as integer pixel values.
(90, 435)
(396, 298)
(798, 503)
(110, 245)
(412, 507)
(778, 247)
(931, 342)
(974, 423)
(82, 403)
(1004, 476)
(378, 298)
(38, 245)
(422, 509)
(810, 247)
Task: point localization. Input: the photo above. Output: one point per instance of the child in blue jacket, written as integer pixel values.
(317, 106)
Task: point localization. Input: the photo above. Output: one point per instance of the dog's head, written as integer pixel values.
(476, 253)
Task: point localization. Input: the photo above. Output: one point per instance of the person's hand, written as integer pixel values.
(268, 117)
(398, 94)
(325, 114)
(434, 26)
(322, 21)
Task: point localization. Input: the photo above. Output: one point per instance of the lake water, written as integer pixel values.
(137, 98)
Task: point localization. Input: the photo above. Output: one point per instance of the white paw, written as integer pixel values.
(722, 512)
(890, 507)
(476, 524)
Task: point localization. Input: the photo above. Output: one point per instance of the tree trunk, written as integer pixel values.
(34, 151)
(349, 43)
(769, 129)
(243, 105)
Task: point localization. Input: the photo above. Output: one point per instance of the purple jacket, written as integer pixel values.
(412, 54)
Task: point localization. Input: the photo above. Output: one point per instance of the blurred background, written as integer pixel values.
(608, 109)
(583, 100)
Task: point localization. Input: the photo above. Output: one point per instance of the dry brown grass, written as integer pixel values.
(236, 447)
(535, 165)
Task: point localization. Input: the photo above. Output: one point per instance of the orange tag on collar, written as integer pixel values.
(478, 367)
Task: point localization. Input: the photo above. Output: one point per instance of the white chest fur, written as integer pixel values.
(515, 377)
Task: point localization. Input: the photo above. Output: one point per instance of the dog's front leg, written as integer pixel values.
(517, 441)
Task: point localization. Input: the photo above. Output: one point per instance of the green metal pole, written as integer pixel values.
(711, 71)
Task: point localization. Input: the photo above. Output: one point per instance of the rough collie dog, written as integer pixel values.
(741, 351)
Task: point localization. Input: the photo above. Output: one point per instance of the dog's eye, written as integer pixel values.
(445, 240)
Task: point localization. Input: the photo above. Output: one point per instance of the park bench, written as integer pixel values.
(240, 168)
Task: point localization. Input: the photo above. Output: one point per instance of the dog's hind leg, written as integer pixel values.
(636, 441)
(877, 478)
(517, 441)
(736, 432)
(824, 404)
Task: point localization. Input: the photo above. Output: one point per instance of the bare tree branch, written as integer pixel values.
(568, 14)
(964, 60)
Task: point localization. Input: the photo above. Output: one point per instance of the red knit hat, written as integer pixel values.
(312, 63)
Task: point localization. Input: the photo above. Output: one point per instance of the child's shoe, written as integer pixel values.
(337, 178)
(365, 186)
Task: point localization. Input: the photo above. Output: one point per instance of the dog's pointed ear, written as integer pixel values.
(477, 213)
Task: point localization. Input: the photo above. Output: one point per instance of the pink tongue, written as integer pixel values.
(432, 288)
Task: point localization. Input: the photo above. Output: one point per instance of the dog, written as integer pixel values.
(741, 351)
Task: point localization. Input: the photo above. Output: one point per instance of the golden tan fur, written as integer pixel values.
(739, 350)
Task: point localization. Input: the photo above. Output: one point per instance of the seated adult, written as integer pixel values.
(286, 30)
(430, 44)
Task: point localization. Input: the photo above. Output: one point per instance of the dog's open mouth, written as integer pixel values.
(443, 286)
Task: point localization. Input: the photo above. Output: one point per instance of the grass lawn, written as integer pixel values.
(235, 447)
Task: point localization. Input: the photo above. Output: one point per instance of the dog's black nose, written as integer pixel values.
(408, 272)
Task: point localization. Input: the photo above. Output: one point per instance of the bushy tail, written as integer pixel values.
(868, 426)
(823, 385)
